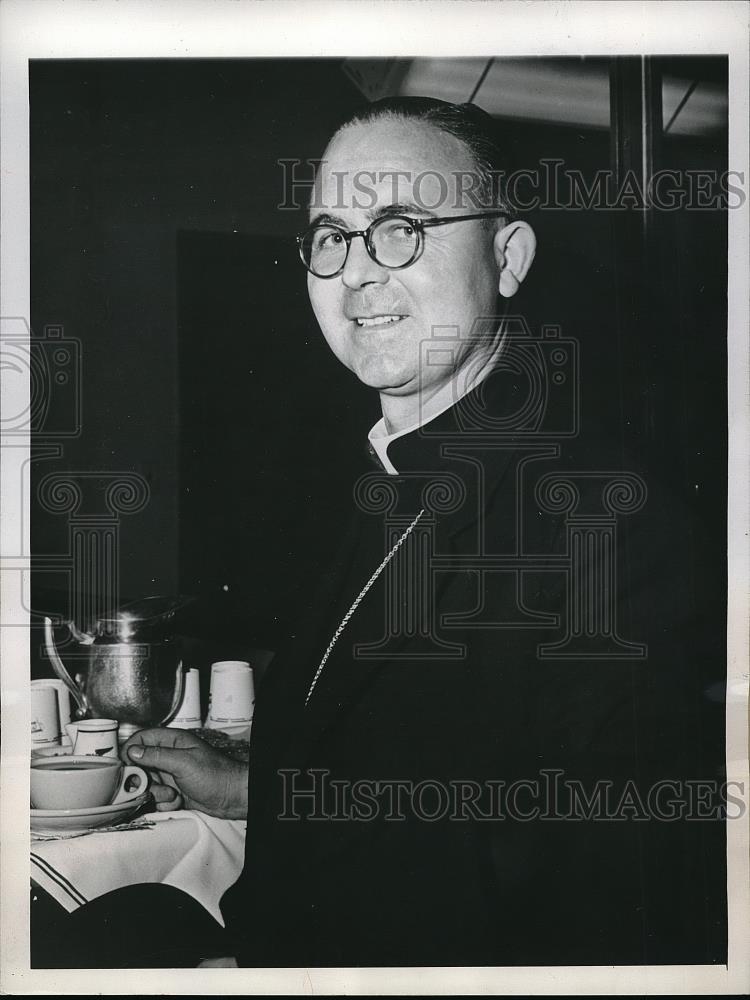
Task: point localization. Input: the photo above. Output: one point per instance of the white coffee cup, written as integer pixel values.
(188, 715)
(95, 737)
(82, 782)
(45, 716)
(63, 702)
(232, 694)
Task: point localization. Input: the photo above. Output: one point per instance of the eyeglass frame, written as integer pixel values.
(417, 224)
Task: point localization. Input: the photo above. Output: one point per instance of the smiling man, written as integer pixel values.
(446, 764)
(383, 278)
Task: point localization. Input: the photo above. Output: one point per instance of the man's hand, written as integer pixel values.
(201, 778)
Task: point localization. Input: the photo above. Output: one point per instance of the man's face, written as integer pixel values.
(373, 318)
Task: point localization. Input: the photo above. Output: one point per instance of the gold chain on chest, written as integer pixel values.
(358, 599)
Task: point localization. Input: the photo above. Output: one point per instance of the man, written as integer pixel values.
(423, 674)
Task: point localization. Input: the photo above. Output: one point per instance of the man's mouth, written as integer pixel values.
(380, 320)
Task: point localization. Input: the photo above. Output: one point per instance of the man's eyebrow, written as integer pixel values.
(402, 208)
(323, 218)
(397, 208)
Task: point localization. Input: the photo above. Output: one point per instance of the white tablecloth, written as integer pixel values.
(199, 854)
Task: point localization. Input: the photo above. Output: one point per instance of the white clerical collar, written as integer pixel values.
(464, 381)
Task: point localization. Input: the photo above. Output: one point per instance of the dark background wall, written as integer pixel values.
(157, 242)
(123, 156)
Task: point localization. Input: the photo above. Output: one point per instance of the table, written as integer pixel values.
(195, 853)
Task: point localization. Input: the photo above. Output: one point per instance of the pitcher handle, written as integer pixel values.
(179, 690)
(59, 668)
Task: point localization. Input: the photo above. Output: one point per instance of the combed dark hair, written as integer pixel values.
(466, 122)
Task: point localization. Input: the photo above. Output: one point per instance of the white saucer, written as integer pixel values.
(70, 820)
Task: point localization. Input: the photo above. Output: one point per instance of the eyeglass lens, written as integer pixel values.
(393, 242)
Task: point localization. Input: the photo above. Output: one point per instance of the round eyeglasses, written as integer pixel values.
(392, 241)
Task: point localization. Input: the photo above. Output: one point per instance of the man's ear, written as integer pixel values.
(515, 247)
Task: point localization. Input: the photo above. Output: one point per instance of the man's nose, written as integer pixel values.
(360, 269)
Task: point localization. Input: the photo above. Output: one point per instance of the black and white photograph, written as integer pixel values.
(375, 481)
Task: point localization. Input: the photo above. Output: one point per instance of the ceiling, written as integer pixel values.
(562, 91)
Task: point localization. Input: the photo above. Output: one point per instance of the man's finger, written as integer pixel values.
(146, 737)
(169, 806)
(166, 797)
(177, 739)
(163, 793)
(160, 736)
(160, 758)
(165, 778)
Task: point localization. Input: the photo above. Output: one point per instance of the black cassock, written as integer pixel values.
(541, 624)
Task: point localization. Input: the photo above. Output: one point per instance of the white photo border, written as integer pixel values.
(453, 28)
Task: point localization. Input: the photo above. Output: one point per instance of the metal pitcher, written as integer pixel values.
(133, 665)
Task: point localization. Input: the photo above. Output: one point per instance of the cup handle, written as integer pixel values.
(125, 796)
